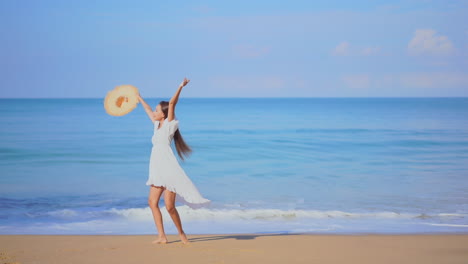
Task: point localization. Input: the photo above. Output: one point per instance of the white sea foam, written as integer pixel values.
(188, 214)
(452, 225)
(224, 221)
(65, 213)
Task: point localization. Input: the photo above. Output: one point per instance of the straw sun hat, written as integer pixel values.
(122, 100)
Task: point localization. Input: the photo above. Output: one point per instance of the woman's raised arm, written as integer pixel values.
(174, 99)
(147, 108)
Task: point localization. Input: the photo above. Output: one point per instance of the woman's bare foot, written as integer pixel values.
(184, 239)
(161, 240)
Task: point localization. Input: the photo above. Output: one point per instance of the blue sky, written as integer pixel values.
(83, 49)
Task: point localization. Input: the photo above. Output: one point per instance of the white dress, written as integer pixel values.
(164, 169)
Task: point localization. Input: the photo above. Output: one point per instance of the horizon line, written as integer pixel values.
(289, 97)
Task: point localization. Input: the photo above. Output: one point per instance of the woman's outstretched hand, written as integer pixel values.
(184, 82)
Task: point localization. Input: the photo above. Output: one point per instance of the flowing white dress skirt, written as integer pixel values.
(164, 169)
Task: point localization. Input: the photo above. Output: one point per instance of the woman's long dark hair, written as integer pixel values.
(182, 148)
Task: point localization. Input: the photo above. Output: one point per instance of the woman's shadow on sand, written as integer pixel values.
(237, 237)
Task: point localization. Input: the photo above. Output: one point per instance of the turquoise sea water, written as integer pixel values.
(318, 165)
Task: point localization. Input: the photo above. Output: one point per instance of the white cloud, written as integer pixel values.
(345, 49)
(427, 41)
(250, 51)
(358, 81)
(370, 51)
(438, 80)
(434, 79)
(237, 85)
(342, 49)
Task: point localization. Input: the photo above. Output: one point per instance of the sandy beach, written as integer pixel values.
(237, 248)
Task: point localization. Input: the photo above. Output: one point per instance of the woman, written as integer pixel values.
(165, 173)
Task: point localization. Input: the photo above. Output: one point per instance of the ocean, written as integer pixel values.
(308, 165)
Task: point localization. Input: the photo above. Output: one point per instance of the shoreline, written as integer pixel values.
(237, 248)
(266, 234)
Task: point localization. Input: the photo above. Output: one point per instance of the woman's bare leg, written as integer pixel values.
(153, 201)
(169, 200)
